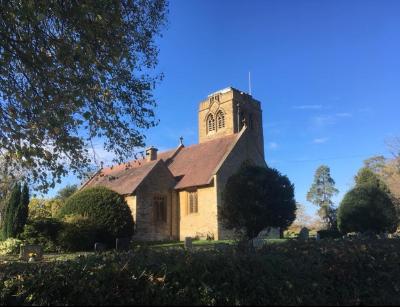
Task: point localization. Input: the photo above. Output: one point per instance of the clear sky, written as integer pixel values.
(327, 74)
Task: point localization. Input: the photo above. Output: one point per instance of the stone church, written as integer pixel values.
(178, 193)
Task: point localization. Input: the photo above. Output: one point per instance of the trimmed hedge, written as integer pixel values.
(106, 211)
(329, 272)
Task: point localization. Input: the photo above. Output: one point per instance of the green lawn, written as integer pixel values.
(198, 243)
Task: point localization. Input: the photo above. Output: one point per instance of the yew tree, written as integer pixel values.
(73, 72)
(256, 198)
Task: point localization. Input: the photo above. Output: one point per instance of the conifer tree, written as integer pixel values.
(321, 193)
(11, 212)
(22, 210)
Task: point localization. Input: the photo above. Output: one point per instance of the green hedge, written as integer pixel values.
(329, 272)
(103, 209)
(44, 232)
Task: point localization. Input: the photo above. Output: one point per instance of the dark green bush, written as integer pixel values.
(329, 234)
(43, 232)
(367, 208)
(313, 273)
(79, 236)
(103, 210)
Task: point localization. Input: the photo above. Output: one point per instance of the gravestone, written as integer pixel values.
(122, 244)
(258, 243)
(318, 236)
(26, 250)
(270, 233)
(221, 247)
(188, 243)
(99, 247)
(304, 234)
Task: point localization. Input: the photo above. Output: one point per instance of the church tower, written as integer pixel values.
(226, 111)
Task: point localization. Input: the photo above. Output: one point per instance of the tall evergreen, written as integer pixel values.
(22, 211)
(11, 212)
(321, 192)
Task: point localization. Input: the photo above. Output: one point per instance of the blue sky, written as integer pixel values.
(327, 74)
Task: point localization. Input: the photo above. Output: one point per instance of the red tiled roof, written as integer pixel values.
(193, 165)
(197, 163)
(122, 178)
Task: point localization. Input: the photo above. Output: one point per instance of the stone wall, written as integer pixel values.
(227, 101)
(204, 222)
(159, 182)
(245, 149)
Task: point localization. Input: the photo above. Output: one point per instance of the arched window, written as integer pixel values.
(220, 120)
(210, 123)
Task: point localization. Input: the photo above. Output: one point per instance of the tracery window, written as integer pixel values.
(210, 123)
(220, 120)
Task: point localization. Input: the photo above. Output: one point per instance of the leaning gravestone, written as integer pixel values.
(122, 244)
(99, 247)
(188, 243)
(304, 234)
(31, 251)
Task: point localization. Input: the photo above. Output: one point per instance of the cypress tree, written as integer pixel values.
(22, 211)
(11, 212)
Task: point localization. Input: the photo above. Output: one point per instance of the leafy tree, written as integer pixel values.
(376, 164)
(367, 208)
(9, 229)
(256, 198)
(66, 192)
(21, 215)
(367, 176)
(321, 192)
(72, 73)
(40, 208)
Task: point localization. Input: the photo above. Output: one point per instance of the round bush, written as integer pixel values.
(367, 208)
(104, 210)
(43, 231)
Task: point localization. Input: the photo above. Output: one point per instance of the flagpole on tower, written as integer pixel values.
(249, 83)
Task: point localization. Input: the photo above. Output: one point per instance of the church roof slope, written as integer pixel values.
(123, 178)
(197, 163)
(193, 165)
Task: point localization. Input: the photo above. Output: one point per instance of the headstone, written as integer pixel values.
(221, 247)
(122, 244)
(304, 234)
(270, 233)
(99, 247)
(258, 243)
(317, 237)
(31, 251)
(188, 243)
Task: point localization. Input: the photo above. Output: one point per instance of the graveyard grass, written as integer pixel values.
(293, 272)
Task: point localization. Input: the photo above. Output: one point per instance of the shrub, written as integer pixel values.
(10, 246)
(256, 198)
(323, 273)
(367, 208)
(43, 232)
(105, 212)
(329, 234)
(78, 236)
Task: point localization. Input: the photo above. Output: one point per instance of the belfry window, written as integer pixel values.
(210, 123)
(220, 120)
